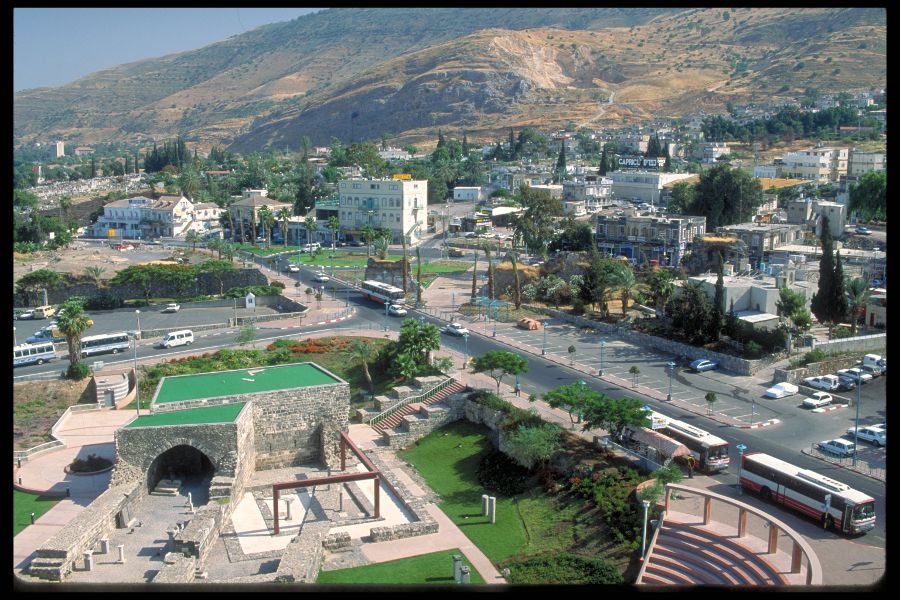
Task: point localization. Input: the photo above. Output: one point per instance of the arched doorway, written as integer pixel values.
(186, 464)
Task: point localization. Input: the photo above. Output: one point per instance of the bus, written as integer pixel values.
(835, 504)
(105, 342)
(28, 354)
(382, 292)
(710, 453)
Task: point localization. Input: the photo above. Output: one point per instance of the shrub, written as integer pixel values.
(753, 348)
(498, 473)
(90, 464)
(563, 568)
(78, 371)
(104, 301)
(515, 416)
(813, 356)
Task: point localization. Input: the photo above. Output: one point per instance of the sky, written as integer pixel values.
(55, 46)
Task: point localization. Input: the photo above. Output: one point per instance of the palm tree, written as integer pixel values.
(94, 272)
(490, 270)
(284, 214)
(475, 276)
(627, 285)
(265, 219)
(65, 203)
(858, 295)
(252, 227)
(418, 276)
(311, 225)
(364, 353)
(333, 224)
(517, 290)
(405, 241)
(192, 238)
(189, 183)
(368, 235)
(72, 322)
(215, 244)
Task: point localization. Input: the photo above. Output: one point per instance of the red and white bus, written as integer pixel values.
(710, 452)
(835, 504)
(382, 292)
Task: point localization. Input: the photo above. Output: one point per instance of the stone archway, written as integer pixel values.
(187, 464)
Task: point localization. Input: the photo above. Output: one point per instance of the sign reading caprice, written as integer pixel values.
(639, 162)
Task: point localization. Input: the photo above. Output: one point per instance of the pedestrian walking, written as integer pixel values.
(690, 466)
(518, 389)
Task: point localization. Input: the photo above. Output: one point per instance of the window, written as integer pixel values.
(394, 186)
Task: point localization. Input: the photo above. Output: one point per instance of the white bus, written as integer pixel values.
(835, 504)
(103, 343)
(382, 292)
(710, 452)
(28, 354)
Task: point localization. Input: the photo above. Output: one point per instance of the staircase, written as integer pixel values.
(691, 555)
(397, 417)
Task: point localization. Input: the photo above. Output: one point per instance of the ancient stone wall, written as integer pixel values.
(200, 534)
(177, 568)
(54, 558)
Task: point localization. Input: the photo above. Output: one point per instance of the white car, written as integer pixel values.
(455, 329)
(838, 446)
(396, 310)
(321, 277)
(818, 399)
(829, 383)
(782, 390)
(172, 308)
(292, 268)
(872, 434)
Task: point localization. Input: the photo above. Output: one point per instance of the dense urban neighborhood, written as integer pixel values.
(649, 353)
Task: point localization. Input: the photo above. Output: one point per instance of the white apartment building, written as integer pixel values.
(837, 217)
(394, 154)
(396, 204)
(594, 191)
(59, 150)
(863, 162)
(142, 217)
(644, 186)
(765, 171)
(710, 152)
(555, 189)
(817, 164)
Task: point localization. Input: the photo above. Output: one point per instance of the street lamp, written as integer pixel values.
(14, 337)
(466, 355)
(671, 373)
(495, 322)
(740, 449)
(856, 426)
(544, 347)
(137, 387)
(646, 504)
(602, 345)
(386, 305)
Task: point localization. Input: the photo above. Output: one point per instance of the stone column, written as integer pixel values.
(492, 508)
(484, 505)
(288, 502)
(88, 560)
(104, 546)
(464, 574)
(121, 554)
(457, 563)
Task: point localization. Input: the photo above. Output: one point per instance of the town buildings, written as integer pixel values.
(644, 237)
(822, 165)
(642, 186)
(142, 217)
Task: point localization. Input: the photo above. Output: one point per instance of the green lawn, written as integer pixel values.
(435, 568)
(25, 504)
(340, 259)
(448, 460)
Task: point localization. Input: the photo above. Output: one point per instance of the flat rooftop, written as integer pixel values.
(225, 413)
(179, 388)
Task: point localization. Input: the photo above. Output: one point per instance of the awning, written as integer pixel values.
(663, 444)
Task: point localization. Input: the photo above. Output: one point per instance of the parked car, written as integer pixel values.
(171, 307)
(455, 252)
(702, 364)
(817, 399)
(846, 383)
(321, 277)
(873, 370)
(455, 329)
(396, 310)
(292, 268)
(838, 447)
(863, 230)
(782, 390)
(856, 375)
(24, 314)
(356, 243)
(870, 434)
(530, 324)
(829, 383)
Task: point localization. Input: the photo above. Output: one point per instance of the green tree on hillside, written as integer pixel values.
(726, 196)
(868, 197)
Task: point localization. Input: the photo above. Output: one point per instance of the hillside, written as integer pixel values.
(482, 70)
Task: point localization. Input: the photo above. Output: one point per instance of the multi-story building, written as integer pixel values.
(765, 171)
(763, 237)
(247, 208)
(663, 239)
(710, 152)
(863, 162)
(555, 189)
(468, 194)
(594, 191)
(817, 164)
(643, 186)
(837, 217)
(400, 205)
(59, 150)
(83, 151)
(141, 217)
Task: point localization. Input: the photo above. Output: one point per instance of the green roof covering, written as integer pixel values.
(225, 413)
(242, 381)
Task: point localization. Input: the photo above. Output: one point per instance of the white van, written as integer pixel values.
(183, 337)
(874, 360)
(311, 247)
(44, 312)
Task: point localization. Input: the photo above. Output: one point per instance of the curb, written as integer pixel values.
(829, 408)
(758, 425)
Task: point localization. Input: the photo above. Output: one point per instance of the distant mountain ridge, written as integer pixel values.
(360, 73)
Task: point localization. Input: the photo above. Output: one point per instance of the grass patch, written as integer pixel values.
(38, 405)
(434, 568)
(24, 504)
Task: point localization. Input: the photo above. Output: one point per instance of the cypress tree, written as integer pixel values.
(718, 312)
(511, 151)
(603, 161)
(465, 146)
(668, 166)
(839, 304)
(560, 171)
(821, 302)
